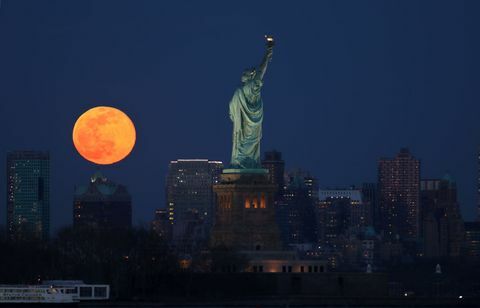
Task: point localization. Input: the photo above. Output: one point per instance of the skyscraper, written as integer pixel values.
(102, 204)
(295, 210)
(369, 199)
(190, 196)
(340, 212)
(472, 239)
(399, 196)
(442, 224)
(478, 184)
(276, 168)
(28, 194)
(161, 224)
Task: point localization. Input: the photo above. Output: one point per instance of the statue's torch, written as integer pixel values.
(269, 41)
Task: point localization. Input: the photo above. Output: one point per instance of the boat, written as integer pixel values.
(33, 295)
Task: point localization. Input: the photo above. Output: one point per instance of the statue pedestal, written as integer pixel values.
(245, 216)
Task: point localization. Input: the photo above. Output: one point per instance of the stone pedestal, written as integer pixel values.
(245, 216)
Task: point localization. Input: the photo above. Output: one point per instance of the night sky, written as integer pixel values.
(350, 82)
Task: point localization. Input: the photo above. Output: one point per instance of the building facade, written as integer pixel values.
(369, 199)
(190, 200)
(28, 194)
(161, 224)
(295, 209)
(245, 215)
(340, 212)
(478, 184)
(102, 204)
(399, 196)
(442, 225)
(472, 239)
(275, 165)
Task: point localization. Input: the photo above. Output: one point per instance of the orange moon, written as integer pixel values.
(104, 135)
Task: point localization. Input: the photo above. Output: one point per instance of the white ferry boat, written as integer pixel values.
(81, 290)
(30, 295)
(52, 293)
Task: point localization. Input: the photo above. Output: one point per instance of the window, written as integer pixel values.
(315, 269)
(260, 268)
(247, 202)
(284, 269)
(255, 202)
(289, 268)
(309, 268)
(254, 268)
(263, 204)
(100, 292)
(302, 269)
(85, 291)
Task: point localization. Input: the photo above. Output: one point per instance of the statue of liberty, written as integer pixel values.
(246, 113)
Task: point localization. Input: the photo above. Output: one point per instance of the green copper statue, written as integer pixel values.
(246, 113)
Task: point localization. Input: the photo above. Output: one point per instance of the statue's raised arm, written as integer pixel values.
(267, 58)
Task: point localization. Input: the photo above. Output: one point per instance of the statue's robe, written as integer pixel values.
(246, 113)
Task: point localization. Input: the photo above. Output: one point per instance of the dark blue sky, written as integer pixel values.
(350, 81)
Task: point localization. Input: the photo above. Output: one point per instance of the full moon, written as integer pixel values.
(104, 135)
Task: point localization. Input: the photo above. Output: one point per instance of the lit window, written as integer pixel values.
(263, 204)
(247, 202)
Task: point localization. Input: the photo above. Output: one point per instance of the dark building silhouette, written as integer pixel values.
(295, 210)
(472, 239)
(478, 184)
(340, 212)
(442, 224)
(102, 204)
(190, 198)
(276, 168)
(399, 196)
(345, 235)
(369, 199)
(28, 194)
(161, 224)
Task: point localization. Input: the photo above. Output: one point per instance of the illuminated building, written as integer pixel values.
(102, 204)
(190, 198)
(276, 168)
(28, 194)
(339, 212)
(442, 224)
(472, 239)
(295, 210)
(399, 196)
(284, 262)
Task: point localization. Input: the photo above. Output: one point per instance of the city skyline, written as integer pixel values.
(396, 90)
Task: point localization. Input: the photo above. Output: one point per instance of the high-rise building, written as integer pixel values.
(442, 224)
(369, 199)
(276, 168)
(472, 239)
(340, 212)
(399, 196)
(28, 194)
(190, 196)
(102, 204)
(478, 184)
(295, 210)
(161, 224)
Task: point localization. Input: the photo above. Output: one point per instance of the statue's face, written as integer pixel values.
(248, 74)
